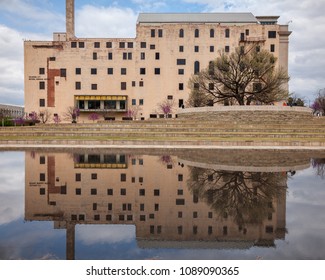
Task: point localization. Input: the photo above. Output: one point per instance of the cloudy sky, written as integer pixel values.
(38, 19)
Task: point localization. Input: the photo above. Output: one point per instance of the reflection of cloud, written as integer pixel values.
(12, 180)
(92, 234)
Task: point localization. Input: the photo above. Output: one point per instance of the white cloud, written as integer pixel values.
(105, 22)
(105, 234)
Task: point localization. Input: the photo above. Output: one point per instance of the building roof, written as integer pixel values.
(197, 18)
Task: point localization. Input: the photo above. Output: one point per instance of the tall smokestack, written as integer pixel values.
(70, 19)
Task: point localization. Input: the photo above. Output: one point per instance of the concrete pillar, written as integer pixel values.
(70, 19)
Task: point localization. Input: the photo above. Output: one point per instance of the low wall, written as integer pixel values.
(247, 113)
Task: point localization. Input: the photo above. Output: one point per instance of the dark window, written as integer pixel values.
(94, 176)
(156, 192)
(78, 191)
(63, 190)
(122, 45)
(110, 56)
(109, 191)
(143, 56)
(81, 45)
(123, 191)
(108, 217)
(63, 72)
(52, 58)
(142, 217)
(78, 71)
(93, 191)
(141, 207)
(180, 214)
(141, 84)
(181, 33)
(227, 48)
(269, 229)
(258, 49)
(78, 85)
(123, 71)
(196, 33)
(181, 48)
(94, 56)
(142, 71)
(97, 217)
(227, 33)
(211, 33)
(157, 55)
(194, 230)
(157, 71)
(272, 48)
(180, 201)
(196, 48)
(97, 45)
(110, 71)
(42, 71)
(94, 206)
(78, 177)
(129, 56)
(123, 85)
(181, 61)
(209, 230)
(160, 33)
(210, 215)
(272, 34)
(42, 160)
(211, 48)
(152, 33)
(93, 71)
(181, 86)
(152, 47)
(142, 192)
(247, 32)
(94, 86)
(42, 191)
(125, 56)
(41, 85)
(180, 177)
(42, 177)
(180, 71)
(196, 67)
(257, 87)
(73, 44)
(156, 207)
(225, 230)
(123, 177)
(110, 206)
(211, 86)
(109, 45)
(42, 102)
(143, 45)
(180, 230)
(130, 45)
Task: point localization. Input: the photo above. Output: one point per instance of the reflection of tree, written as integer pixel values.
(319, 165)
(246, 196)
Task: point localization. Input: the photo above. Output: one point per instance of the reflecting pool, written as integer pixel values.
(113, 204)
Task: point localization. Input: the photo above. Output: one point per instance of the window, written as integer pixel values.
(142, 71)
(196, 67)
(196, 33)
(78, 177)
(129, 56)
(78, 85)
(123, 71)
(257, 87)
(142, 56)
(170, 97)
(110, 56)
(110, 71)
(81, 45)
(152, 47)
(130, 45)
(272, 34)
(194, 230)
(94, 206)
(181, 48)
(78, 71)
(125, 56)
(122, 45)
(42, 85)
(181, 33)
(123, 191)
(152, 33)
(42, 160)
(93, 86)
(180, 192)
(156, 192)
(258, 48)
(143, 45)
(94, 56)
(196, 48)
(133, 83)
(63, 72)
(78, 191)
(180, 177)
(109, 45)
(141, 84)
(123, 85)
(73, 44)
(196, 85)
(123, 177)
(211, 33)
(157, 71)
(93, 71)
(141, 207)
(180, 86)
(227, 48)
(142, 192)
(108, 217)
(42, 71)
(157, 55)
(211, 48)
(181, 61)
(225, 230)
(110, 206)
(141, 102)
(180, 214)
(134, 102)
(180, 71)
(109, 191)
(42, 177)
(94, 176)
(97, 45)
(272, 48)
(180, 201)
(180, 230)
(209, 230)
(93, 191)
(269, 229)
(156, 207)
(247, 32)
(160, 33)
(227, 33)
(42, 191)
(42, 102)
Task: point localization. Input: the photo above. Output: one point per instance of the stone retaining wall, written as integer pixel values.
(251, 114)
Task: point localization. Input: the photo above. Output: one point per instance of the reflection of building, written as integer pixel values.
(109, 76)
(150, 192)
(11, 111)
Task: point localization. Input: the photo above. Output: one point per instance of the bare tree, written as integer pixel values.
(243, 77)
(71, 114)
(44, 115)
(166, 107)
(133, 112)
(319, 103)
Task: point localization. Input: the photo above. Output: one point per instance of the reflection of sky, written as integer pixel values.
(305, 222)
